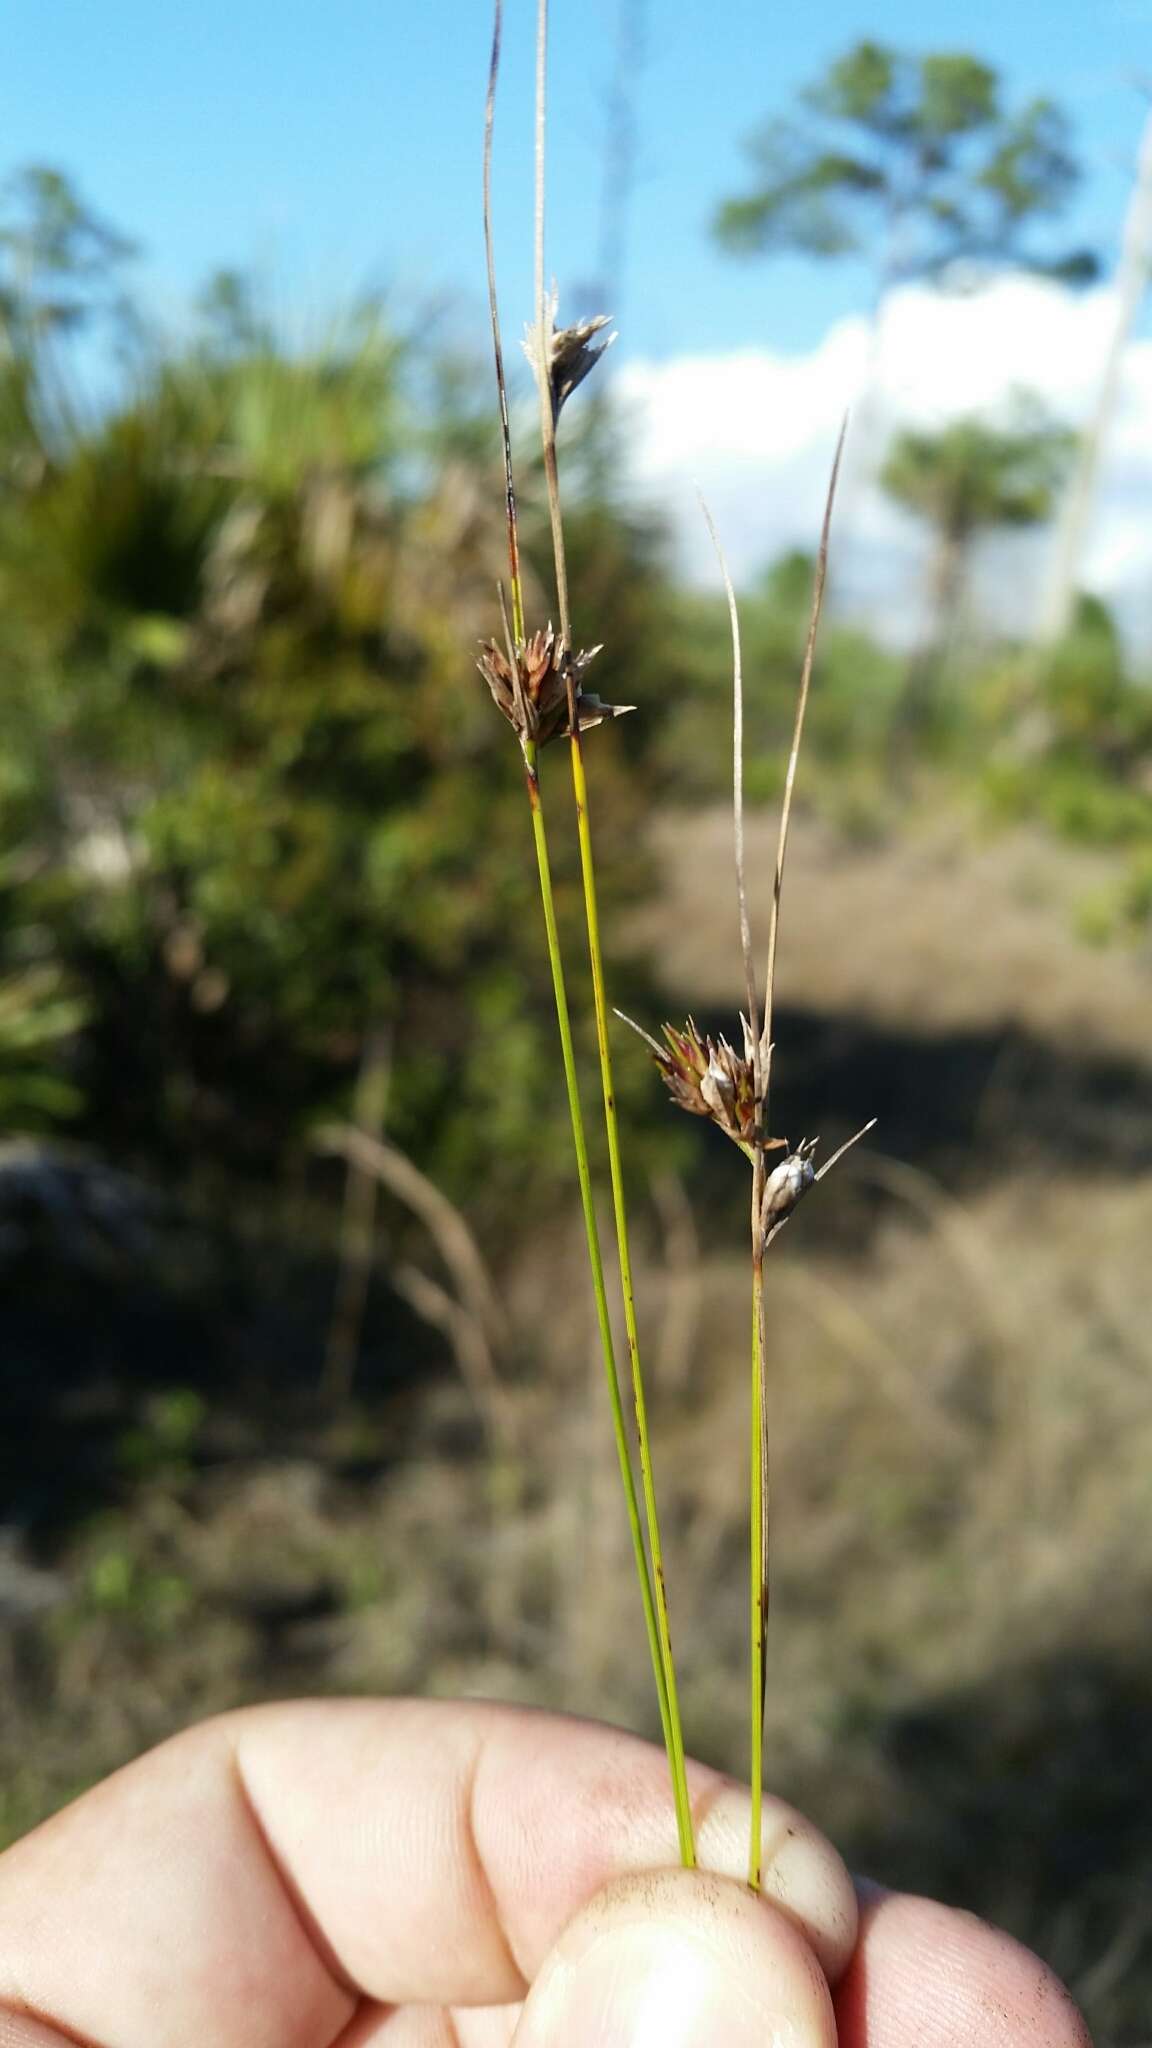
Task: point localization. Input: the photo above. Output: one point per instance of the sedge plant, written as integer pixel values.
(775, 1194)
(537, 682)
(708, 1077)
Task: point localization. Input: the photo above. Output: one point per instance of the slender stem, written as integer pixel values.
(757, 1537)
(544, 339)
(541, 138)
(673, 1732)
(738, 817)
(818, 583)
(757, 1431)
(592, 916)
(497, 346)
(595, 1261)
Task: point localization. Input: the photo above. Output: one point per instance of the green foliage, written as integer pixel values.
(972, 476)
(857, 685)
(58, 260)
(42, 1010)
(1079, 799)
(1090, 702)
(39, 1018)
(60, 273)
(161, 1442)
(120, 1586)
(1078, 757)
(266, 800)
(261, 803)
(914, 156)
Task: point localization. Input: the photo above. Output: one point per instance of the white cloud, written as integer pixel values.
(755, 430)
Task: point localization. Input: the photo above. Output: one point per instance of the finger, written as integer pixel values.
(490, 1828)
(19, 2030)
(671, 1958)
(433, 2026)
(661, 1956)
(250, 1881)
(941, 1978)
(406, 2026)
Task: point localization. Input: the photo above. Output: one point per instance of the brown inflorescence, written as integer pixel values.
(533, 696)
(708, 1077)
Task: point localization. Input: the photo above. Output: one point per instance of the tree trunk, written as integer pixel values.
(1131, 285)
(918, 704)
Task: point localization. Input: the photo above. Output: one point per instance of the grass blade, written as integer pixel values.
(819, 581)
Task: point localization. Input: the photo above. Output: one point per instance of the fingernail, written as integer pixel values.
(676, 1961)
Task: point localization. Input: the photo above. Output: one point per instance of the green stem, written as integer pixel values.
(756, 1575)
(592, 917)
(757, 1531)
(673, 1733)
(595, 1261)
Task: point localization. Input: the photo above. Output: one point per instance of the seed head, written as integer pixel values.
(707, 1077)
(787, 1183)
(570, 350)
(534, 695)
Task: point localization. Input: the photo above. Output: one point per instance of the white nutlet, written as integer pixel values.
(784, 1187)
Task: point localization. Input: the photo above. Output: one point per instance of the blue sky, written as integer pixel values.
(337, 145)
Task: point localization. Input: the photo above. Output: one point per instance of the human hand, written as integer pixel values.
(429, 1875)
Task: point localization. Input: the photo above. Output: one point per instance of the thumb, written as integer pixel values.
(678, 1959)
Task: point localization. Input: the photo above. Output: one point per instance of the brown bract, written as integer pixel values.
(707, 1077)
(534, 695)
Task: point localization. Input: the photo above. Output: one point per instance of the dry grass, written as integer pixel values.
(939, 929)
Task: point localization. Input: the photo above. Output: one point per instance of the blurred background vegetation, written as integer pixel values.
(295, 1347)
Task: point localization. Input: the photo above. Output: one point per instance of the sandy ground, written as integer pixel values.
(931, 934)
